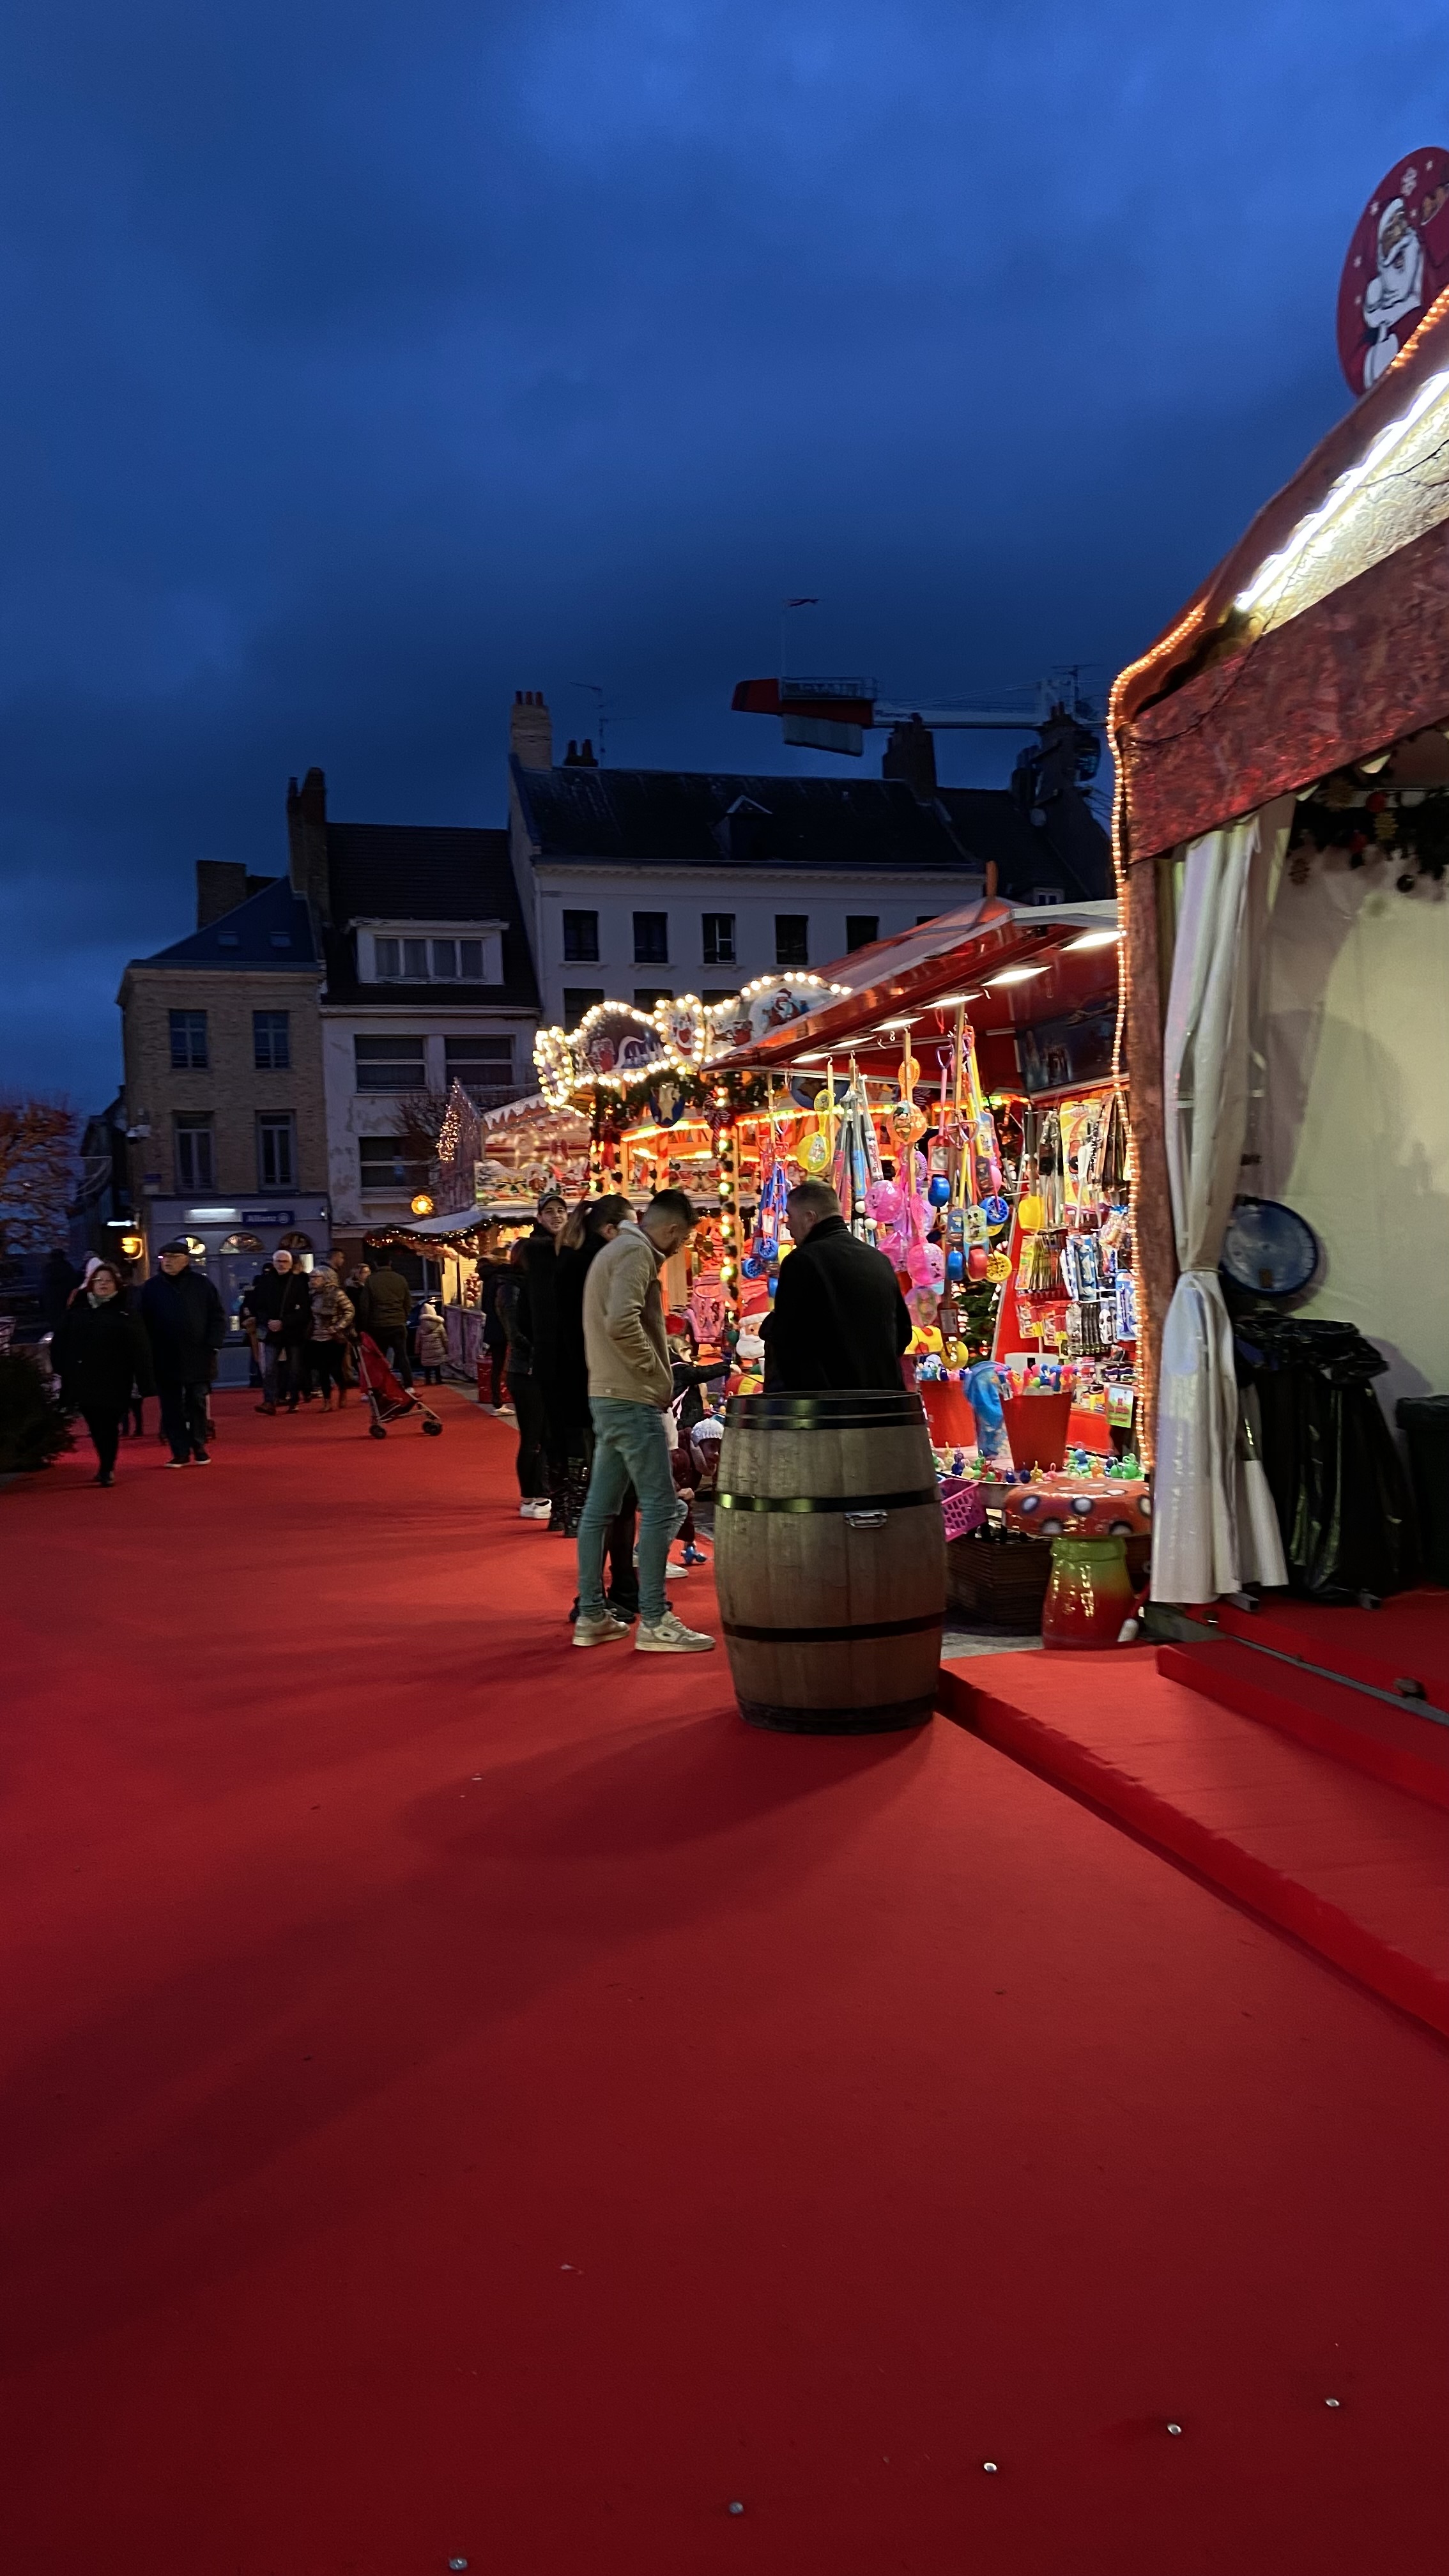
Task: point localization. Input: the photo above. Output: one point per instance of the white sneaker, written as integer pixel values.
(599, 1632)
(669, 1636)
(525, 1510)
(488, 1408)
(677, 1566)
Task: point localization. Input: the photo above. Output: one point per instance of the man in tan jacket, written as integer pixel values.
(630, 1386)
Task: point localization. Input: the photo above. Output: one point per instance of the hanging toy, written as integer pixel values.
(857, 1157)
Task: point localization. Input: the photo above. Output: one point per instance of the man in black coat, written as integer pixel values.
(268, 1302)
(839, 1319)
(186, 1326)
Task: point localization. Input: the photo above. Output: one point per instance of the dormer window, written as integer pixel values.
(468, 958)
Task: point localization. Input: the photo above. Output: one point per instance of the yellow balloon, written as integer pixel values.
(910, 1072)
(815, 1153)
(998, 1265)
(1032, 1213)
(824, 1100)
(908, 1122)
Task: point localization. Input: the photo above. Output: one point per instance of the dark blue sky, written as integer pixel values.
(364, 363)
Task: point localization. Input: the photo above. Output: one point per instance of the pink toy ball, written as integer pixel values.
(883, 1202)
(937, 1260)
(918, 1266)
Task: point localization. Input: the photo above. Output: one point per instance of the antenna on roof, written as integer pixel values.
(595, 690)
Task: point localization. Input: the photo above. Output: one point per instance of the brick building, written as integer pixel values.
(223, 1090)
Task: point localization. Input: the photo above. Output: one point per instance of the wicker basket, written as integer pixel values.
(999, 1581)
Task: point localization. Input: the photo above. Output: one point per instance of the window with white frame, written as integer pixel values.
(389, 1063)
(471, 957)
(484, 1066)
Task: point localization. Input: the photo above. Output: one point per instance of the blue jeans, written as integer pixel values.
(630, 1447)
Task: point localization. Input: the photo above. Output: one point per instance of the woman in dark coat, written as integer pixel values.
(99, 1352)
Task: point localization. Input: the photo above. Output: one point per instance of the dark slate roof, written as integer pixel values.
(671, 818)
(424, 872)
(1070, 851)
(271, 929)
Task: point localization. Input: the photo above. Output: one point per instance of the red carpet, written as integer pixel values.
(1392, 1743)
(697, 2116)
(1357, 1869)
(1405, 1639)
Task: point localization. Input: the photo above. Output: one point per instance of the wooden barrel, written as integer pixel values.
(830, 1561)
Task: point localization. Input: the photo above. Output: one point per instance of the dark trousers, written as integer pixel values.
(493, 1361)
(327, 1362)
(528, 1404)
(183, 1419)
(432, 1377)
(293, 1373)
(557, 1443)
(105, 1431)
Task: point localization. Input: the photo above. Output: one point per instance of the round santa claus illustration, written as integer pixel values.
(1397, 264)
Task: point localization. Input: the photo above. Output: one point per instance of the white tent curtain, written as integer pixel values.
(1213, 1521)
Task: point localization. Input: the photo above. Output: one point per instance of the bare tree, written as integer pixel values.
(37, 1172)
(417, 1123)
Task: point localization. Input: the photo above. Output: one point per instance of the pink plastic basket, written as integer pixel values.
(963, 1509)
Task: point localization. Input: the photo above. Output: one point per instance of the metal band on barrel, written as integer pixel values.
(835, 1636)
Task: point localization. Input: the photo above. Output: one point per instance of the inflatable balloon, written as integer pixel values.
(939, 1192)
(918, 1266)
(883, 1202)
(937, 1260)
(816, 1152)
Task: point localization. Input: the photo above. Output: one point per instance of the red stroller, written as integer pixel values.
(388, 1400)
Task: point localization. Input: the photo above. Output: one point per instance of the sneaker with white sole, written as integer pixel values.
(669, 1636)
(599, 1632)
(525, 1509)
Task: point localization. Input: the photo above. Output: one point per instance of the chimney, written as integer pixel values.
(307, 842)
(221, 884)
(910, 755)
(530, 730)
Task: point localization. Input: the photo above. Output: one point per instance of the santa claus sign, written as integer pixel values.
(1398, 262)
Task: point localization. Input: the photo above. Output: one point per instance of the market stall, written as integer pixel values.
(1282, 837)
(965, 1099)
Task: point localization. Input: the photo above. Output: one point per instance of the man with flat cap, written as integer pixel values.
(186, 1326)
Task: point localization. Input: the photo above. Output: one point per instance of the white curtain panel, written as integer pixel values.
(1213, 1525)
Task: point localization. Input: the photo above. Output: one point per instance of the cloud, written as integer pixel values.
(364, 364)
